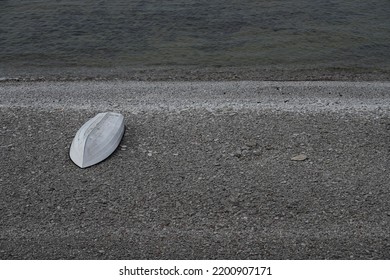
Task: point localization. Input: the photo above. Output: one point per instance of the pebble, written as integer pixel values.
(178, 204)
(237, 154)
(300, 157)
(251, 144)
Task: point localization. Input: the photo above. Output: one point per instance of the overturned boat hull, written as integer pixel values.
(97, 139)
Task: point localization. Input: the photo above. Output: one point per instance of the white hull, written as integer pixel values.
(97, 139)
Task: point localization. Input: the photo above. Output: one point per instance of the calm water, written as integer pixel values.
(282, 33)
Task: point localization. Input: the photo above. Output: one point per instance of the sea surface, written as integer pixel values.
(348, 34)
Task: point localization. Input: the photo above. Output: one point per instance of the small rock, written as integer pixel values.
(238, 154)
(251, 144)
(300, 157)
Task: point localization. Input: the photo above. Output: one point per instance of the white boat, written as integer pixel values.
(97, 139)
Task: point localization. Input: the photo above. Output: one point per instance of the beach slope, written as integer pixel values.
(226, 170)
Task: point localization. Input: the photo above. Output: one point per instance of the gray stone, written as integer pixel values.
(300, 157)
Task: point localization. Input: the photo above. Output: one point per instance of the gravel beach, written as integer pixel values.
(206, 170)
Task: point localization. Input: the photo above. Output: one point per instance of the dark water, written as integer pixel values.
(284, 33)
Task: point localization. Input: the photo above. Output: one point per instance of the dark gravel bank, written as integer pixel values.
(204, 175)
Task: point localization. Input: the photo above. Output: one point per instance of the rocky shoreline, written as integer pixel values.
(206, 170)
(188, 73)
